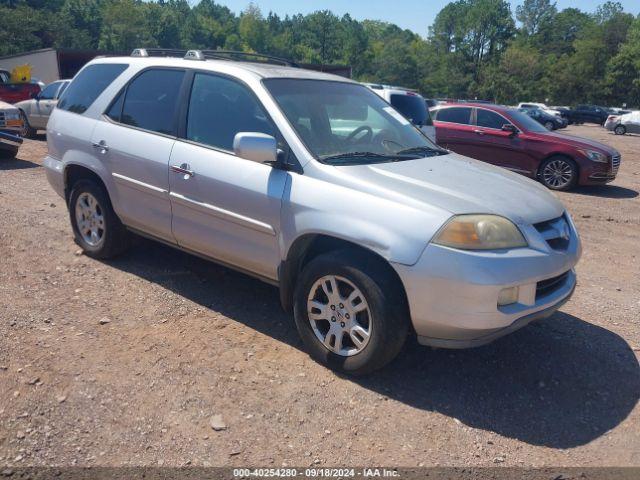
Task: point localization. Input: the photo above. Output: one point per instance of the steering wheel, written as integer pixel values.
(357, 131)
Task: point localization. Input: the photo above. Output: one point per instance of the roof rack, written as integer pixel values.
(213, 55)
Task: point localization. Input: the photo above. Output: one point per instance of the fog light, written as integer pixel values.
(507, 296)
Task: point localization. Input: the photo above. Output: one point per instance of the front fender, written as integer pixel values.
(397, 232)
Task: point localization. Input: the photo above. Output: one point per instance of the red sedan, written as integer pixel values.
(511, 139)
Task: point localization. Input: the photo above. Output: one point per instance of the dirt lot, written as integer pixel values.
(125, 362)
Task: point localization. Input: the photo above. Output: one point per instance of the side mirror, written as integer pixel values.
(257, 147)
(35, 96)
(507, 127)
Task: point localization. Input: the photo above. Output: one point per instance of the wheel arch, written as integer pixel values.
(557, 154)
(310, 245)
(74, 172)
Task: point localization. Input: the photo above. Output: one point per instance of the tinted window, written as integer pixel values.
(49, 91)
(460, 115)
(489, 119)
(115, 111)
(413, 108)
(523, 121)
(88, 85)
(219, 108)
(63, 88)
(151, 100)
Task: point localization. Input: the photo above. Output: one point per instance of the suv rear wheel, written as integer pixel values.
(620, 130)
(96, 227)
(349, 312)
(558, 173)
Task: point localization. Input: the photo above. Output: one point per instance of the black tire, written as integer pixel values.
(389, 314)
(549, 126)
(558, 163)
(620, 130)
(8, 153)
(27, 130)
(115, 238)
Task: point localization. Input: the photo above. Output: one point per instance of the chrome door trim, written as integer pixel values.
(132, 182)
(223, 214)
(517, 170)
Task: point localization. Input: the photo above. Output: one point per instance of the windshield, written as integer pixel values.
(344, 123)
(525, 122)
(412, 107)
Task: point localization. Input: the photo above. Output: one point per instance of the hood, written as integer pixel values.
(458, 185)
(6, 106)
(576, 142)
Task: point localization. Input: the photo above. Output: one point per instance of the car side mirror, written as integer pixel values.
(35, 96)
(255, 146)
(507, 127)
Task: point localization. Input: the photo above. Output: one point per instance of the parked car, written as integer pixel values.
(588, 114)
(549, 121)
(511, 139)
(618, 111)
(10, 127)
(369, 234)
(540, 106)
(36, 111)
(16, 92)
(621, 124)
(410, 104)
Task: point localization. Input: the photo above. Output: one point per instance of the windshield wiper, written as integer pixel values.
(423, 151)
(360, 156)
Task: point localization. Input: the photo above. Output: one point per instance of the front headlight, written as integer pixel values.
(12, 115)
(480, 232)
(595, 156)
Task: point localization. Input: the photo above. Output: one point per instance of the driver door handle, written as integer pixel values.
(184, 169)
(479, 132)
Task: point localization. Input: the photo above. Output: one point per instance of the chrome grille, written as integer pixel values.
(615, 164)
(556, 232)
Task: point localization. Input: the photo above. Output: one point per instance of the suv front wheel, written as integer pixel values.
(96, 227)
(350, 312)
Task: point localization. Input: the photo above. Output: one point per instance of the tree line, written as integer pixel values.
(474, 49)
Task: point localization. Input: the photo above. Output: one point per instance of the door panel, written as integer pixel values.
(501, 149)
(229, 209)
(138, 162)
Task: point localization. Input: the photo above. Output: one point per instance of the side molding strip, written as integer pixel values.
(225, 214)
(139, 183)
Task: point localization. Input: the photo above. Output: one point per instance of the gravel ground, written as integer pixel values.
(134, 361)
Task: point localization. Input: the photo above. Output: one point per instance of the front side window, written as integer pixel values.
(489, 119)
(344, 123)
(88, 85)
(62, 88)
(461, 115)
(151, 101)
(49, 91)
(219, 108)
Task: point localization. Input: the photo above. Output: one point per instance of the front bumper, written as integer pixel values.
(453, 294)
(9, 140)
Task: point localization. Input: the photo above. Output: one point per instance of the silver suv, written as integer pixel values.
(314, 183)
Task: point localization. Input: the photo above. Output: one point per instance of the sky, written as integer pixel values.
(416, 15)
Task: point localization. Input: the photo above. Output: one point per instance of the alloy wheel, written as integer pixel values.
(557, 173)
(340, 316)
(90, 219)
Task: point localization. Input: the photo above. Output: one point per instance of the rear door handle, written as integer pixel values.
(184, 169)
(102, 146)
(479, 132)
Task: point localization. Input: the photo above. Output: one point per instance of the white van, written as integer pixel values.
(410, 104)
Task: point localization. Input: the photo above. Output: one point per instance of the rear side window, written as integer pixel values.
(461, 115)
(151, 101)
(412, 107)
(489, 119)
(88, 85)
(219, 108)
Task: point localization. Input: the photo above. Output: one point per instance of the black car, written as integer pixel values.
(550, 122)
(588, 114)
